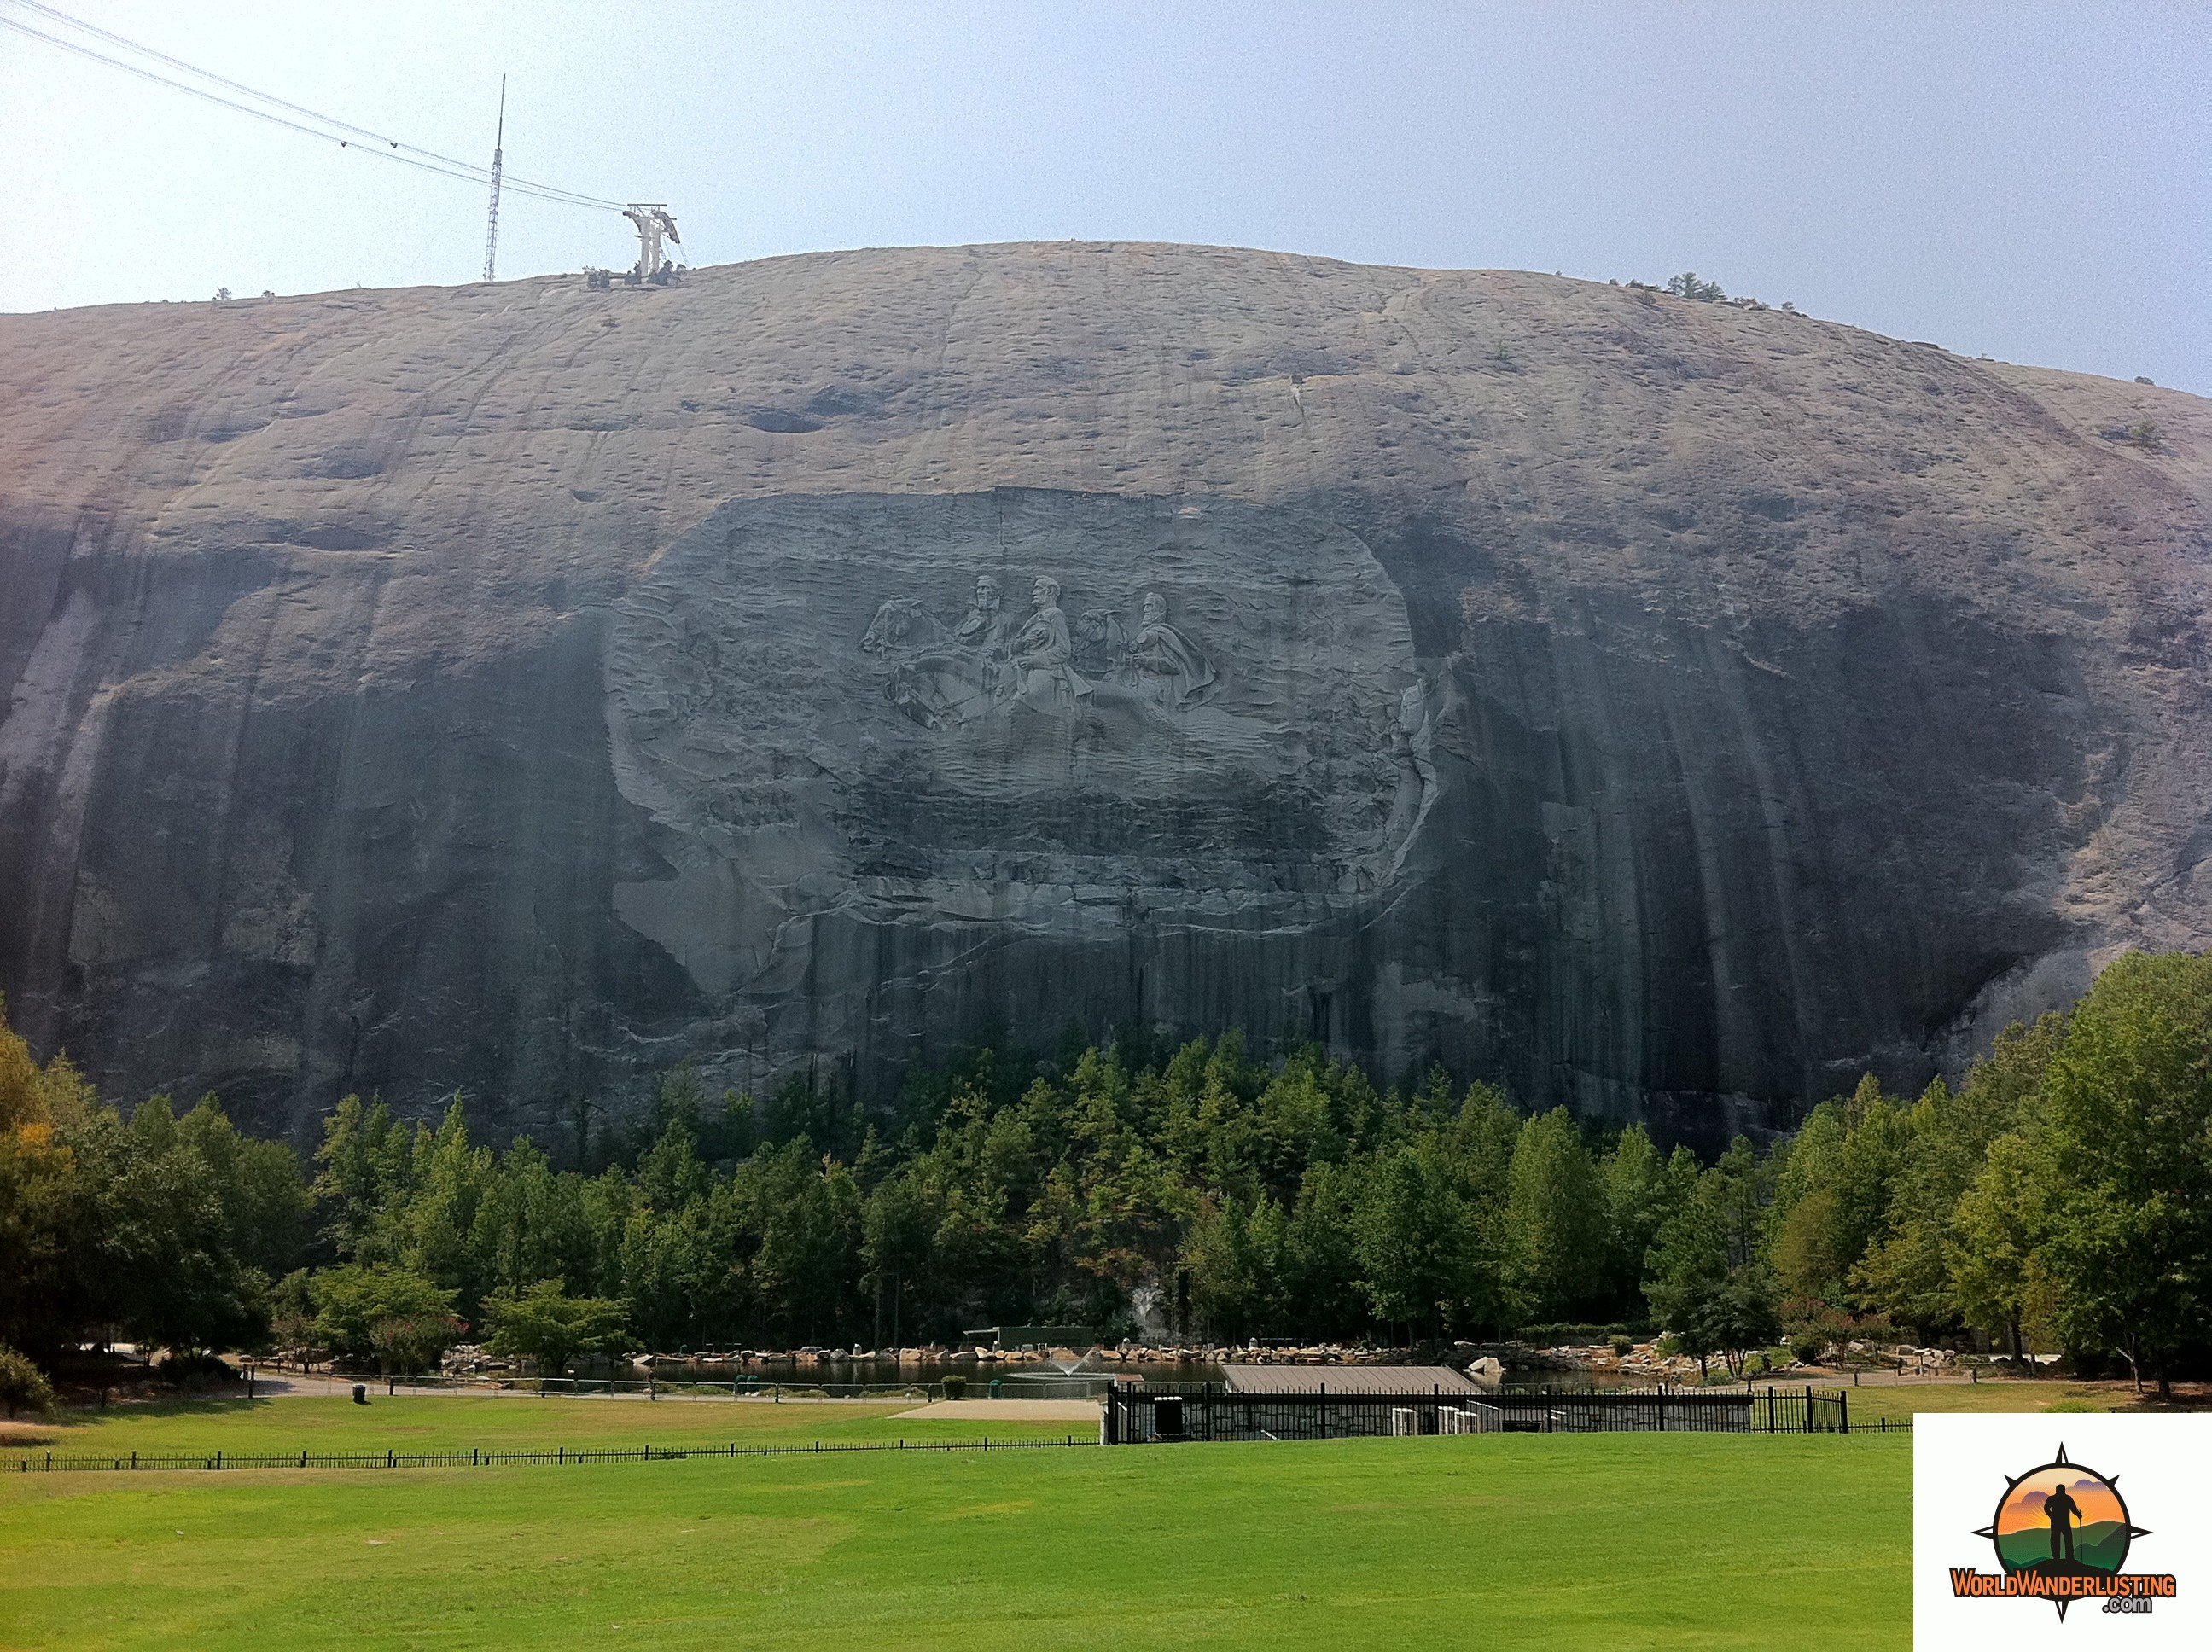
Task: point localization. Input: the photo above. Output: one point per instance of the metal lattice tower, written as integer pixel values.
(498, 163)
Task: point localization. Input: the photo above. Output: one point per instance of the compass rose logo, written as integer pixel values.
(2062, 1532)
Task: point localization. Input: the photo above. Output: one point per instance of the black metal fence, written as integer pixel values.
(1209, 1412)
(49, 1462)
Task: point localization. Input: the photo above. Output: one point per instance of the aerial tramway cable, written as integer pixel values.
(327, 128)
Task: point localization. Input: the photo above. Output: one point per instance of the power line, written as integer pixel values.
(326, 128)
(79, 24)
(478, 173)
(214, 97)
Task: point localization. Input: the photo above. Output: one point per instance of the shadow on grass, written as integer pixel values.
(120, 1409)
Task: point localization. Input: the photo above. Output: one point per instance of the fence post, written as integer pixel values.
(1844, 1409)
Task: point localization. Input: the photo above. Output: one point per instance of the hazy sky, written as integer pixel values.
(2033, 182)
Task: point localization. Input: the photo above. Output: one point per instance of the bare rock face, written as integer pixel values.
(1669, 708)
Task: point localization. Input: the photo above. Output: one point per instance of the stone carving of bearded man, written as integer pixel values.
(984, 629)
(1039, 669)
(1170, 666)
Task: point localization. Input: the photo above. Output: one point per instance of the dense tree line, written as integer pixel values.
(158, 1229)
(2061, 1193)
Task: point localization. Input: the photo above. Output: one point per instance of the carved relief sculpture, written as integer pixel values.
(1040, 669)
(1170, 667)
(941, 677)
(1103, 645)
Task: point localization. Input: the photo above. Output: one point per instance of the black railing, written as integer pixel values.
(38, 1462)
(1209, 1412)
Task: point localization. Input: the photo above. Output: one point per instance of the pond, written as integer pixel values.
(827, 1371)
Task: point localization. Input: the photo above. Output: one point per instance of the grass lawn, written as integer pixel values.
(1521, 1540)
(2005, 1395)
(507, 1423)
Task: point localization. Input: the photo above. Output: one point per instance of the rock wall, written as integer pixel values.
(1669, 708)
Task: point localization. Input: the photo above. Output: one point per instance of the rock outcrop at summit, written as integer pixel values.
(1668, 708)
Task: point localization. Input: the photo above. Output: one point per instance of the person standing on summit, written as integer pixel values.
(2062, 1511)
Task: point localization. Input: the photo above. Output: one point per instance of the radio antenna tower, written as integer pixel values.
(498, 161)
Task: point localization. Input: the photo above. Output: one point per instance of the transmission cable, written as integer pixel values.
(327, 129)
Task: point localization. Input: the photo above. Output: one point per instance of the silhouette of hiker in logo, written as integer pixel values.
(2062, 1511)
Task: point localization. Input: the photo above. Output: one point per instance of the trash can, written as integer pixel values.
(1167, 1416)
(361, 1394)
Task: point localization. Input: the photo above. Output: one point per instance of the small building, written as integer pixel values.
(1345, 1380)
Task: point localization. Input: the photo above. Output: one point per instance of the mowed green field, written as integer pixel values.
(1619, 1540)
(510, 1422)
(1903, 1400)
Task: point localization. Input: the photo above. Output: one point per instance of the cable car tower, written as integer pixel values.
(498, 164)
(653, 223)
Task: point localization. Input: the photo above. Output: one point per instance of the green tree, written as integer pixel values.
(2127, 1231)
(352, 1302)
(258, 1184)
(534, 1223)
(1991, 1256)
(415, 1342)
(1642, 1189)
(291, 1311)
(1741, 1316)
(545, 1324)
(1414, 1240)
(1910, 1273)
(810, 1237)
(681, 1272)
(363, 1164)
(153, 1227)
(1708, 1284)
(432, 1226)
(1687, 285)
(896, 1241)
(1832, 1191)
(162, 1242)
(1234, 1258)
(23, 1386)
(1321, 1268)
(1555, 1216)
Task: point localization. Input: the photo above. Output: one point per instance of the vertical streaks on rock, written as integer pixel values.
(1666, 707)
